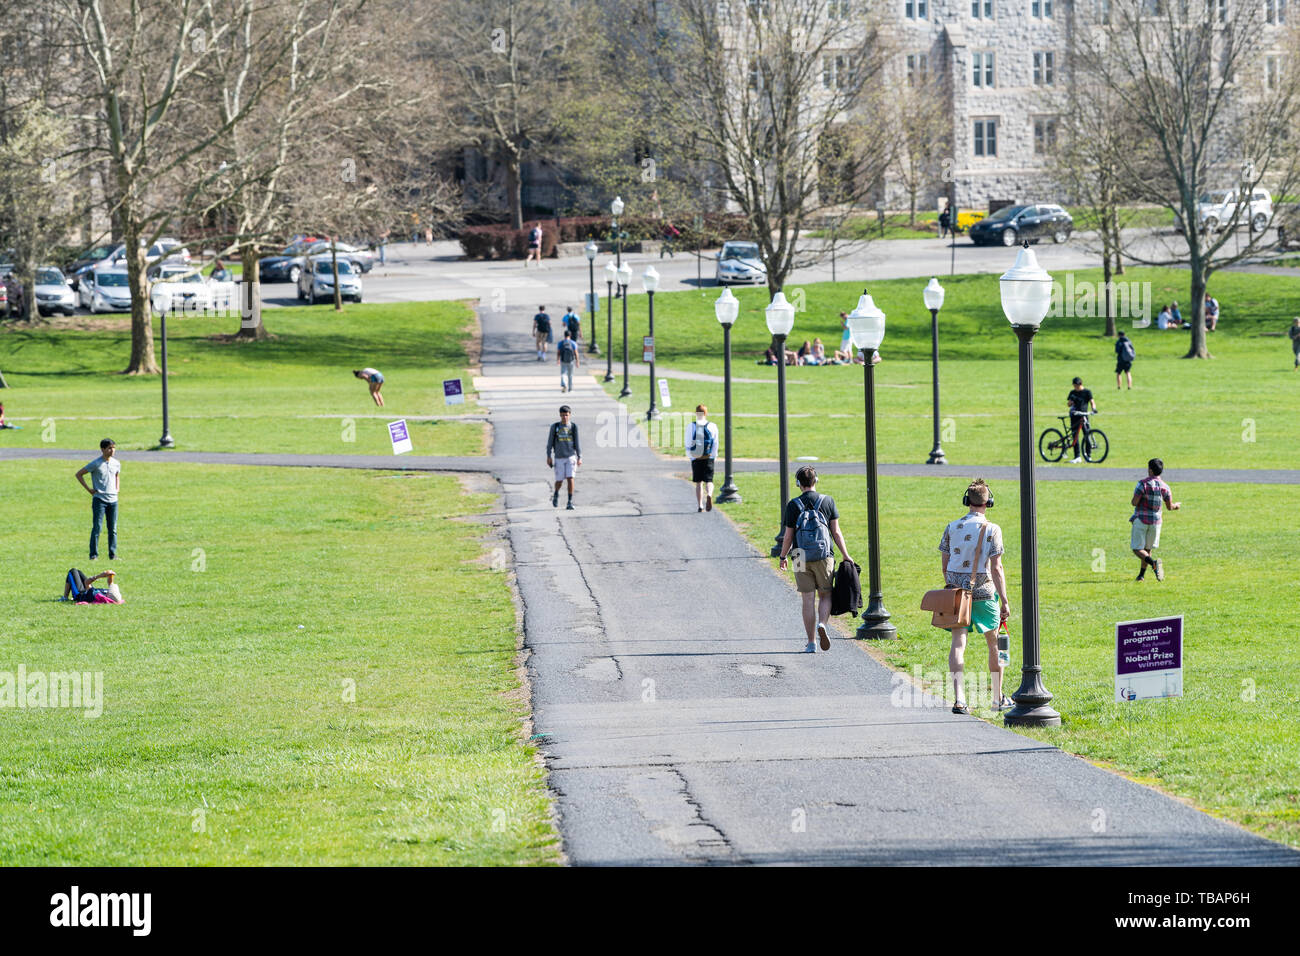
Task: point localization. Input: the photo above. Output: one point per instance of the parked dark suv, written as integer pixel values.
(1013, 224)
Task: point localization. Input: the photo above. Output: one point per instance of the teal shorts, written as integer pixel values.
(984, 615)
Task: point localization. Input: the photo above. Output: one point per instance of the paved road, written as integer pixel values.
(680, 723)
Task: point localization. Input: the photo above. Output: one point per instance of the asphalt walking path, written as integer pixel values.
(681, 722)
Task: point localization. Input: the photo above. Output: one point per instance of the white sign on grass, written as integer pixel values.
(664, 398)
(400, 436)
(1149, 658)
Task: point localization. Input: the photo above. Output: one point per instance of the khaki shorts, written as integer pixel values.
(1145, 536)
(815, 576)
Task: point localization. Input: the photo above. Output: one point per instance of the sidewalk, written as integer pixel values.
(681, 723)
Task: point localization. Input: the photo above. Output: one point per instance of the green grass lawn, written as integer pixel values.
(295, 677)
(1240, 408)
(295, 393)
(1229, 745)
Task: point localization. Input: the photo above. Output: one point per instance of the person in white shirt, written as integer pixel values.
(702, 450)
(376, 380)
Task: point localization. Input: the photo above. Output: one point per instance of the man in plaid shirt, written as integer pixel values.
(1151, 492)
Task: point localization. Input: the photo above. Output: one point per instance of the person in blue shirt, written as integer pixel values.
(572, 323)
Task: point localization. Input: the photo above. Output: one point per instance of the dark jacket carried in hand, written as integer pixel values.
(846, 592)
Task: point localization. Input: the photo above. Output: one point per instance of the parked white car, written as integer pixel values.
(105, 288)
(179, 288)
(1214, 210)
(740, 262)
(317, 280)
(54, 292)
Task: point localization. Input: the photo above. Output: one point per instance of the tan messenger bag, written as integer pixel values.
(951, 606)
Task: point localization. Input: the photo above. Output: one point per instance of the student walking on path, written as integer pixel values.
(105, 481)
(541, 331)
(972, 559)
(566, 356)
(572, 323)
(1294, 332)
(702, 450)
(563, 453)
(1124, 355)
(812, 522)
(1148, 496)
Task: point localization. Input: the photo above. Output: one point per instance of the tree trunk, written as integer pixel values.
(514, 192)
(1198, 347)
(142, 355)
(250, 304)
(911, 220)
(1106, 276)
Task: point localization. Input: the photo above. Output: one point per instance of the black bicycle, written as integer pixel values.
(1054, 443)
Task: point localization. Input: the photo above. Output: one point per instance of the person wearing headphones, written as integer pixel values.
(972, 558)
(1079, 401)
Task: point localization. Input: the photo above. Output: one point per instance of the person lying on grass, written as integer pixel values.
(77, 588)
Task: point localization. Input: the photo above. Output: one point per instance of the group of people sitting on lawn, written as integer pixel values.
(814, 352)
(1171, 318)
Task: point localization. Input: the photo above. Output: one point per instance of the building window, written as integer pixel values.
(916, 9)
(1223, 11)
(1044, 68)
(1044, 135)
(1042, 9)
(981, 9)
(760, 8)
(918, 67)
(1272, 71)
(1103, 11)
(986, 137)
(756, 76)
(982, 69)
(1275, 11)
(840, 9)
(835, 72)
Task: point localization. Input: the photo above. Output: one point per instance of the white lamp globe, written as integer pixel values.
(727, 308)
(866, 324)
(616, 207)
(1026, 291)
(611, 272)
(625, 274)
(780, 315)
(591, 250)
(933, 295)
(651, 279)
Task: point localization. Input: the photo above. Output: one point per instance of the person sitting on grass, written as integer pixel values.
(804, 354)
(77, 588)
(818, 356)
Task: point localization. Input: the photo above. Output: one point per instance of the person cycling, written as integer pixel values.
(1079, 401)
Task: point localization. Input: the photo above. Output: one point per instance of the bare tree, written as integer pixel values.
(1202, 88)
(777, 93)
(1097, 148)
(506, 66)
(922, 127)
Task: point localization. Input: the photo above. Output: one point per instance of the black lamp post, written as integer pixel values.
(591, 250)
(727, 308)
(611, 276)
(867, 329)
(933, 295)
(616, 207)
(624, 277)
(780, 320)
(1026, 297)
(651, 282)
(166, 441)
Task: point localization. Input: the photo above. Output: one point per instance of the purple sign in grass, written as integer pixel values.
(1149, 658)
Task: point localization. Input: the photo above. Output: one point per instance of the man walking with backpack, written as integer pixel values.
(541, 331)
(566, 356)
(702, 450)
(812, 522)
(1124, 355)
(563, 453)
